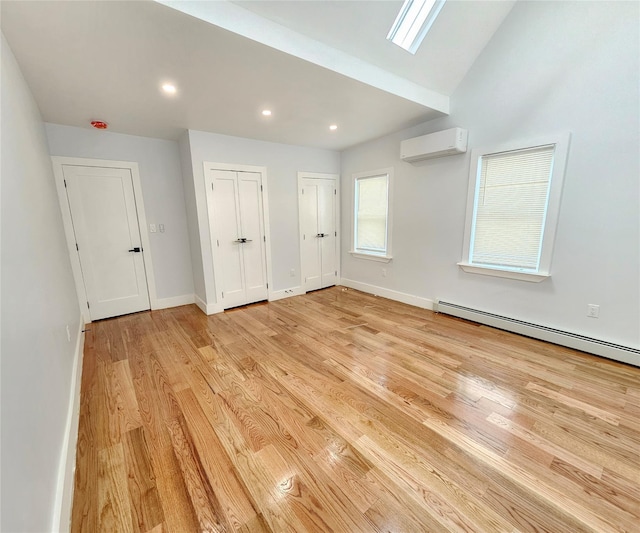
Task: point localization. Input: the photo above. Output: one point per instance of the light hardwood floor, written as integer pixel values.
(339, 411)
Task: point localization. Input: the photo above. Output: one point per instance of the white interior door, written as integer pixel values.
(311, 246)
(327, 228)
(226, 223)
(107, 232)
(252, 233)
(319, 237)
(238, 230)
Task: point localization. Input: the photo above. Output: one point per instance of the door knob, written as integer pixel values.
(136, 249)
(242, 240)
(321, 235)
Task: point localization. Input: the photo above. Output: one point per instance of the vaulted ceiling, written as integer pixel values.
(312, 63)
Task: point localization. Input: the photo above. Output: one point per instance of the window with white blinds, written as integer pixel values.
(510, 208)
(513, 207)
(371, 213)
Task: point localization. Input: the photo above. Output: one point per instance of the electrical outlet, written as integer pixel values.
(161, 228)
(292, 272)
(384, 272)
(68, 334)
(593, 310)
(152, 228)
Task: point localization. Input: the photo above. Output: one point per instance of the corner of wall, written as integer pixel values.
(186, 164)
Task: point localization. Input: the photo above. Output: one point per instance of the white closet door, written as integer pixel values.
(327, 228)
(318, 245)
(311, 242)
(252, 231)
(107, 232)
(238, 236)
(226, 221)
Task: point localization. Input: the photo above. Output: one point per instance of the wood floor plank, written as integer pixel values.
(126, 396)
(176, 503)
(230, 490)
(146, 509)
(203, 498)
(114, 503)
(341, 411)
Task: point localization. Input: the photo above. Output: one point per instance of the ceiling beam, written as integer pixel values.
(243, 22)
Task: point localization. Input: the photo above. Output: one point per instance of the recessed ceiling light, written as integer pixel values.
(169, 89)
(266, 112)
(333, 127)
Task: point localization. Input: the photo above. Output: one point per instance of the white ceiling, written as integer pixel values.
(326, 62)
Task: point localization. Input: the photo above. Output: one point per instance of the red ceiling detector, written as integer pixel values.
(99, 125)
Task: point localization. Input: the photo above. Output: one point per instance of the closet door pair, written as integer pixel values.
(238, 230)
(319, 235)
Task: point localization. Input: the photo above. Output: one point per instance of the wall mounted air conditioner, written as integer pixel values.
(439, 144)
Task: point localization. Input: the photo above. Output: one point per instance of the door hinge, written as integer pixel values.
(336, 272)
(65, 183)
(77, 249)
(218, 242)
(335, 233)
(211, 185)
(261, 189)
(264, 238)
(223, 294)
(88, 306)
(335, 191)
(267, 285)
(302, 191)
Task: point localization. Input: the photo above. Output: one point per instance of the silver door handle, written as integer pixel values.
(242, 240)
(320, 235)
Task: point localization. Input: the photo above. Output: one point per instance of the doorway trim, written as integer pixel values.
(217, 266)
(58, 162)
(336, 180)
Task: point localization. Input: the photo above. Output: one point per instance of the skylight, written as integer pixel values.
(413, 23)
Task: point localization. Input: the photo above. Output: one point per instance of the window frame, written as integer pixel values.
(550, 224)
(364, 254)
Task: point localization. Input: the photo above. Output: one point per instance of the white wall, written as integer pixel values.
(552, 66)
(162, 191)
(283, 162)
(192, 218)
(38, 300)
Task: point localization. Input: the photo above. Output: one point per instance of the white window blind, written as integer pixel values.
(371, 217)
(510, 208)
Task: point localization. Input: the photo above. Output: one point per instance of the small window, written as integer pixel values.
(371, 218)
(513, 204)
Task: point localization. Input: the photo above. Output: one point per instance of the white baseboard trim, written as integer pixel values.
(617, 352)
(403, 297)
(207, 309)
(174, 301)
(285, 293)
(67, 466)
(200, 303)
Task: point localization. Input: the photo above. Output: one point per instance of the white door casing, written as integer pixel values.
(318, 201)
(235, 201)
(102, 210)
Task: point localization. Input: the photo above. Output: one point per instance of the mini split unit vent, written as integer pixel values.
(440, 144)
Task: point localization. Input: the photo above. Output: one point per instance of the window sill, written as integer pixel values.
(371, 257)
(511, 274)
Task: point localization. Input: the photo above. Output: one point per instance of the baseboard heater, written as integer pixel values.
(610, 350)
